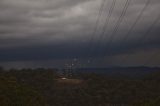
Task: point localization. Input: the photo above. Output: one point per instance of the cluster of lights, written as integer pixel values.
(74, 63)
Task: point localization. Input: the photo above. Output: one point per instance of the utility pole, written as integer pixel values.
(70, 68)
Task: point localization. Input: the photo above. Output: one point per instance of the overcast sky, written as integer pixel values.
(51, 33)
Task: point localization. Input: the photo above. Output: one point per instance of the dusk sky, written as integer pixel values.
(52, 33)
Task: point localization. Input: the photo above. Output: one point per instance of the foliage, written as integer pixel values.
(14, 94)
(39, 87)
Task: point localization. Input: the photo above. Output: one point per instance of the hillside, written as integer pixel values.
(41, 87)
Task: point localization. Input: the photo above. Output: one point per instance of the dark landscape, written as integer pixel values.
(46, 87)
(79, 52)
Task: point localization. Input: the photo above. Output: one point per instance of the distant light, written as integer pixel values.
(89, 61)
(64, 78)
(75, 59)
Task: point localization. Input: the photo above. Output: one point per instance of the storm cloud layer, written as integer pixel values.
(58, 30)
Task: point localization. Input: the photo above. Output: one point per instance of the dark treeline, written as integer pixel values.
(42, 87)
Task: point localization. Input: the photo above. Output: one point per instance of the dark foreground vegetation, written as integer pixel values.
(44, 87)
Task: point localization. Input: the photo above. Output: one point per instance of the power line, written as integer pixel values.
(142, 39)
(133, 25)
(107, 21)
(119, 21)
(136, 21)
(146, 34)
(105, 24)
(96, 25)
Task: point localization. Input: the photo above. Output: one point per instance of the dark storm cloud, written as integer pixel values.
(59, 29)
